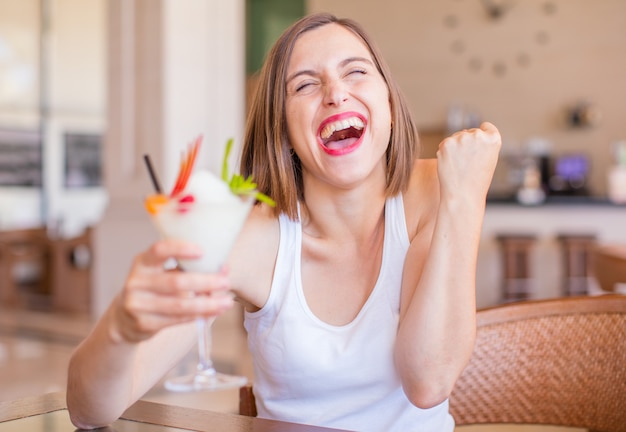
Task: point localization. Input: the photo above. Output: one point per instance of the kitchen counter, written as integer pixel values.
(556, 200)
(546, 222)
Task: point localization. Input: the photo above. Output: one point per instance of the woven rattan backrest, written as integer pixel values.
(554, 362)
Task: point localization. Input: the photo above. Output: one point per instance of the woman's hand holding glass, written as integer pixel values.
(211, 212)
(155, 298)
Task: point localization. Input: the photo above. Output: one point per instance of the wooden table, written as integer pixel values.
(48, 413)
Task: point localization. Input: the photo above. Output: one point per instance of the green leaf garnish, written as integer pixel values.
(240, 186)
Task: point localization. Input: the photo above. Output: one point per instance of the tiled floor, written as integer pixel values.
(35, 348)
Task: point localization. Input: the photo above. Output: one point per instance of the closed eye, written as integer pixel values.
(358, 71)
(302, 86)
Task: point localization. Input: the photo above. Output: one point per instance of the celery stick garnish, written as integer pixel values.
(240, 185)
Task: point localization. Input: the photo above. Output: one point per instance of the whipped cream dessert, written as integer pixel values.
(206, 213)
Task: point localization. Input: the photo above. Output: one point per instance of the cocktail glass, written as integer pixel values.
(215, 227)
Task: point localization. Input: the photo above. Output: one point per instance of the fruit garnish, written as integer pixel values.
(186, 165)
(185, 202)
(187, 199)
(238, 184)
(153, 202)
(188, 159)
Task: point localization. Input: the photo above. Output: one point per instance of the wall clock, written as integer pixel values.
(495, 36)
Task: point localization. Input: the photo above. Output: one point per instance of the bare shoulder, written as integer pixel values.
(254, 255)
(262, 217)
(421, 200)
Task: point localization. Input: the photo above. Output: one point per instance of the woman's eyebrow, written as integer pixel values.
(299, 73)
(356, 59)
(342, 63)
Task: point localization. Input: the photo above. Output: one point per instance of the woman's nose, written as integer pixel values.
(335, 93)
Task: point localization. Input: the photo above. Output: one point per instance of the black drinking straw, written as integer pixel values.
(153, 177)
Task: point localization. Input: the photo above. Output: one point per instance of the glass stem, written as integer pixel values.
(205, 364)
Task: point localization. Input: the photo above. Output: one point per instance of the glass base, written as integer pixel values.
(205, 381)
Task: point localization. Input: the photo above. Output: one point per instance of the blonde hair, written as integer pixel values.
(266, 149)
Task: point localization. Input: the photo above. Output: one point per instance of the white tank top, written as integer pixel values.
(308, 371)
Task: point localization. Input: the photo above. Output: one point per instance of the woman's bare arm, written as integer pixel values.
(107, 373)
(144, 332)
(437, 323)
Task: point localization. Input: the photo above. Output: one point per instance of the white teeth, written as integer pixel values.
(331, 128)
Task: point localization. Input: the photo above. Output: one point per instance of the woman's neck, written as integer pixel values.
(352, 216)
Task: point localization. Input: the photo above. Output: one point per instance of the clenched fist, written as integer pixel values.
(467, 160)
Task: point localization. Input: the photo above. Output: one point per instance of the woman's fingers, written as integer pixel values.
(137, 324)
(163, 251)
(178, 283)
(178, 306)
(467, 160)
(490, 128)
(134, 327)
(154, 298)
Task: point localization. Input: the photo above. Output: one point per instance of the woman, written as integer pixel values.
(358, 287)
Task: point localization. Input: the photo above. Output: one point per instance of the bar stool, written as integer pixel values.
(24, 267)
(517, 278)
(71, 272)
(576, 252)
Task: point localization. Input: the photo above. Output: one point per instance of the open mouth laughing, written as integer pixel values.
(341, 135)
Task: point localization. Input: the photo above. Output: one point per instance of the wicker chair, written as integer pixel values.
(555, 362)
(558, 362)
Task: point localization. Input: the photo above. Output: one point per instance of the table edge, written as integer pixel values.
(32, 406)
(158, 414)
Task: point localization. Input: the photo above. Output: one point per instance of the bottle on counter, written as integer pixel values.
(535, 172)
(616, 176)
(531, 191)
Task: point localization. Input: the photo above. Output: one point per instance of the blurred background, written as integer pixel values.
(89, 87)
(549, 73)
